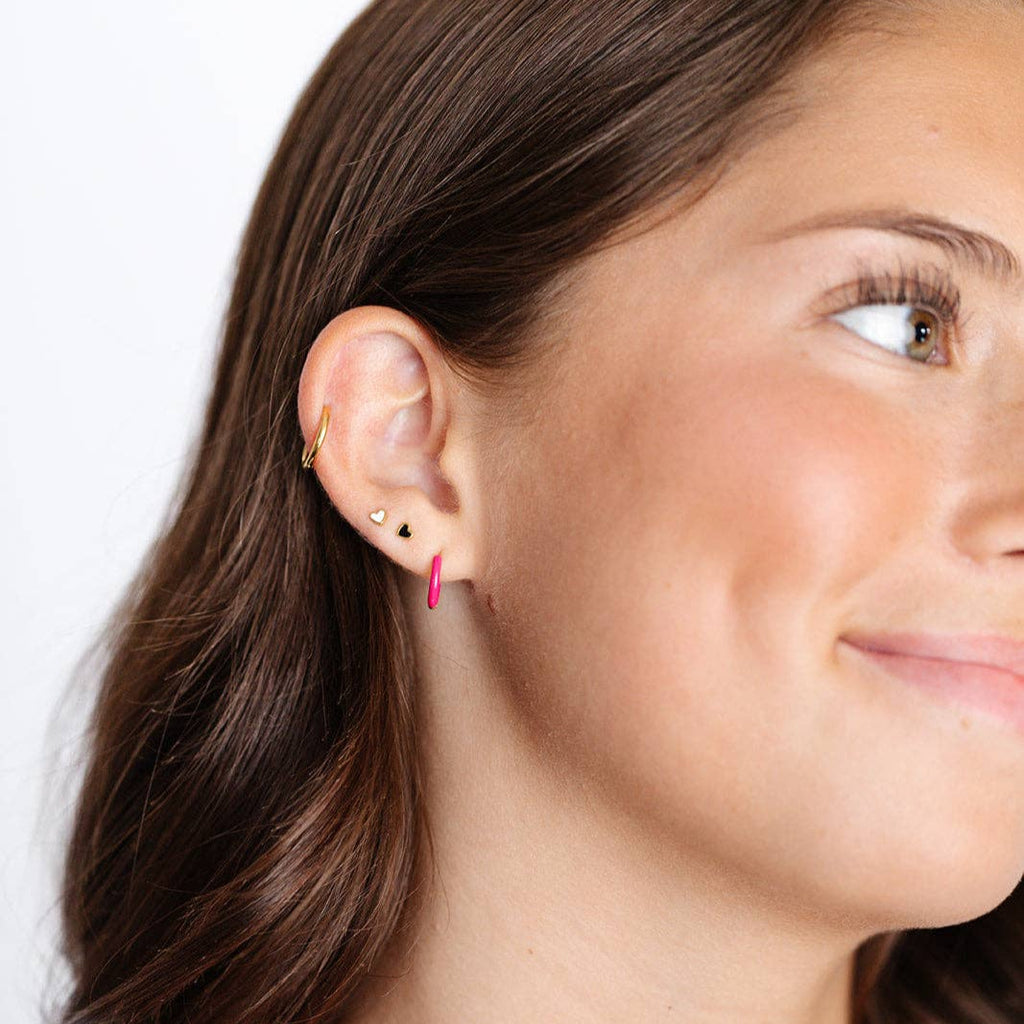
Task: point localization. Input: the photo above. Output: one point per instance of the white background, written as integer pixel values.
(134, 137)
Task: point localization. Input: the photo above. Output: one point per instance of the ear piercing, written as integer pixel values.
(378, 517)
(434, 590)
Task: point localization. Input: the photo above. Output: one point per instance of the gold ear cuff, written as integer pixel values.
(321, 433)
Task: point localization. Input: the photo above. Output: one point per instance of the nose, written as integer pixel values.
(990, 517)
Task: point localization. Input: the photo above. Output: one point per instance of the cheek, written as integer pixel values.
(768, 491)
(683, 584)
(793, 485)
(696, 541)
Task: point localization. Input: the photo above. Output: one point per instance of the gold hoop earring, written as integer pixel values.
(321, 433)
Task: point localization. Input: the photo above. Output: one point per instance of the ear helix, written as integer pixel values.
(378, 517)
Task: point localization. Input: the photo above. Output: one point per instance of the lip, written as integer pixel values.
(978, 670)
(989, 650)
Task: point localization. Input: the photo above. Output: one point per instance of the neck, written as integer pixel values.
(543, 902)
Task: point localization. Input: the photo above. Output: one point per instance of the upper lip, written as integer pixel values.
(989, 649)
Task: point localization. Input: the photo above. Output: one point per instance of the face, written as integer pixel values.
(722, 478)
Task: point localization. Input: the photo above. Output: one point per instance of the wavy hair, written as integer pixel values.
(244, 837)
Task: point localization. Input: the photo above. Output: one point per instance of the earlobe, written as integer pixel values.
(378, 516)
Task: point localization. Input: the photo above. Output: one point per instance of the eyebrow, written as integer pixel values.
(974, 249)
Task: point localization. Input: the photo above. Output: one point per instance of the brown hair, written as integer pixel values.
(245, 835)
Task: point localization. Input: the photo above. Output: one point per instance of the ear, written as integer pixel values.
(397, 415)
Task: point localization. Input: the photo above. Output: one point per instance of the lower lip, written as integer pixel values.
(992, 690)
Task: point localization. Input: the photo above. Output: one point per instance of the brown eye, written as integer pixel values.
(925, 328)
(907, 330)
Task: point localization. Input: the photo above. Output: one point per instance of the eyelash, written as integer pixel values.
(924, 286)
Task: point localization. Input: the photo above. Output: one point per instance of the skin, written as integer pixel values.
(660, 786)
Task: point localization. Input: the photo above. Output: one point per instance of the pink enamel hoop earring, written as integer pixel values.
(435, 582)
